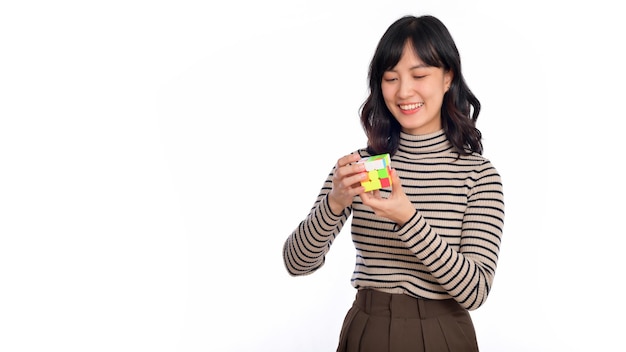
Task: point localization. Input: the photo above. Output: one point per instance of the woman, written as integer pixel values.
(426, 247)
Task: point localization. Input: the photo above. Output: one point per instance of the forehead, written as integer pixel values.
(409, 59)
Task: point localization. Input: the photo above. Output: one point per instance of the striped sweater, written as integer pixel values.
(448, 249)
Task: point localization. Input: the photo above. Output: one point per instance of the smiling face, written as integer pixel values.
(413, 93)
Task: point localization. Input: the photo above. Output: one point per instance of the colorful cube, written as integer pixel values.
(378, 169)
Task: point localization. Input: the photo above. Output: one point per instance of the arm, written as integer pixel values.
(305, 249)
(467, 274)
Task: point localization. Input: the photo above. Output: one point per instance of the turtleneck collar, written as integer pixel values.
(424, 144)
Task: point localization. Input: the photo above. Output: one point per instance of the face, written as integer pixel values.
(413, 93)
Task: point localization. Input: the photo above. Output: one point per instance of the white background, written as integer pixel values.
(154, 156)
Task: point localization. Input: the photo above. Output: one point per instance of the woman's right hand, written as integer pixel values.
(346, 182)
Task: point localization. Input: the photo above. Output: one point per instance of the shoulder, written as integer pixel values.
(478, 161)
(478, 169)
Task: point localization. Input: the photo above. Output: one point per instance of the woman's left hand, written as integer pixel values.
(397, 207)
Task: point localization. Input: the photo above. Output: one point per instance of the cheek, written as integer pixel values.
(435, 92)
(388, 92)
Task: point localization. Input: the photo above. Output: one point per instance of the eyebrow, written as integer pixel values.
(412, 68)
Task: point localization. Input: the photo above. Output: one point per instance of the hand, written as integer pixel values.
(397, 207)
(346, 182)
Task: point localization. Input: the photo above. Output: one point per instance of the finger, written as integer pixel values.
(354, 180)
(366, 197)
(396, 184)
(348, 159)
(350, 170)
(370, 199)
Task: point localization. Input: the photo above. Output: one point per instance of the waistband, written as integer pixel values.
(395, 305)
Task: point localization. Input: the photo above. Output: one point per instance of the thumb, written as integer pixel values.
(396, 185)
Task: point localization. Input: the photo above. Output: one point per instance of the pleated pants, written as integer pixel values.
(383, 322)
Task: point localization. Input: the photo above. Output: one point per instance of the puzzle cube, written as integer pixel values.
(378, 169)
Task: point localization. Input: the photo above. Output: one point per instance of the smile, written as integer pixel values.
(411, 106)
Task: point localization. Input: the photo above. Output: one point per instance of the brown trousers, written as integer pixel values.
(383, 322)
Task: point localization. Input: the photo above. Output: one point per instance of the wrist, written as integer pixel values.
(335, 207)
(406, 216)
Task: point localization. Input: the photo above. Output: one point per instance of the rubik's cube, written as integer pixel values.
(378, 169)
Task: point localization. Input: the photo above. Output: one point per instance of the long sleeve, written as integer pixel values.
(467, 273)
(450, 247)
(305, 249)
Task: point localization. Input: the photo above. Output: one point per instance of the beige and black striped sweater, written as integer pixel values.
(450, 246)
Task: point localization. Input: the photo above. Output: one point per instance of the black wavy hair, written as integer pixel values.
(434, 45)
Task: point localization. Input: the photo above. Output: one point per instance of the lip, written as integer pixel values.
(412, 108)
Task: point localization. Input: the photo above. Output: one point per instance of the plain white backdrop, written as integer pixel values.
(154, 156)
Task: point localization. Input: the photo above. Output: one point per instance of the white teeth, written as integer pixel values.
(411, 106)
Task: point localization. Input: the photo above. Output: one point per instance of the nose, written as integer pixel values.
(405, 89)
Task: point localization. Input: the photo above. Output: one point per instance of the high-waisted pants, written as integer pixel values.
(383, 322)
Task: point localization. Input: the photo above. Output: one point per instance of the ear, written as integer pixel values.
(447, 79)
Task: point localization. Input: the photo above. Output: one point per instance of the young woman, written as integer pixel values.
(426, 247)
